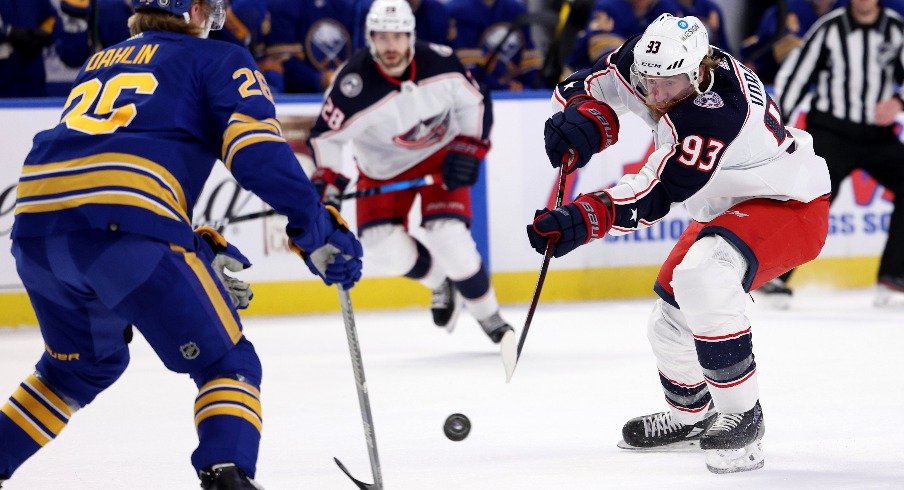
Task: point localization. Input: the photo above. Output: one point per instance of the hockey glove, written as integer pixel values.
(330, 185)
(567, 227)
(26, 41)
(462, 162)
(224, 256)
(329, 249)
(586, 126)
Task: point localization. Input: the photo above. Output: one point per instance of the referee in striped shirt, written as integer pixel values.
(853, 57)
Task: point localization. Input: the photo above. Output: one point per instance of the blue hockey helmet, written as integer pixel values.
(182, 7)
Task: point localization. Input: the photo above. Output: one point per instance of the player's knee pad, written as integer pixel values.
(707, 283)
(240, 363)
(666, 327)
(81, 382)
(388, 249)
(453, 247)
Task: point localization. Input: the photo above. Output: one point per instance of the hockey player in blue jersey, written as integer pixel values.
(102, 237)
(758, 196)
(499, 59)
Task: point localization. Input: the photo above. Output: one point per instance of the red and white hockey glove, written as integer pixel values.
(567, 227)
(462, 163)
(330, 185)
(585, 127)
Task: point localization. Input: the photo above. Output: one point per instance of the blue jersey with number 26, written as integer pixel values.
(140, 132)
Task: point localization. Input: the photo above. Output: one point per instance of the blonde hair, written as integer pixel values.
(158, 20)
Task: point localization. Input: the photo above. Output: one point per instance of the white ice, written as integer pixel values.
(831, 389)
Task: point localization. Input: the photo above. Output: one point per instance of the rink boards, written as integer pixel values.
(517, 179)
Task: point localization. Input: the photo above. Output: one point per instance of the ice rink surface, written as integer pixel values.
(829, 369)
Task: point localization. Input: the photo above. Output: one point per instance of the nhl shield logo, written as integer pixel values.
(351, 85)
(190, 350)
(709, 100)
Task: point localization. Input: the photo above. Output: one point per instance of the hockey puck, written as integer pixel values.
(457, 427)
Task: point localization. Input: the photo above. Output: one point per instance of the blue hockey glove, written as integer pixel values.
(462, 162)
(223, 256)
(585, 127)
(567, 227)
(330, 250)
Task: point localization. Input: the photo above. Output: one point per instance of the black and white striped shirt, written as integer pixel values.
(852, 66)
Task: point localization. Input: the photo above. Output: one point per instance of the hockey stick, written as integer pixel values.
(510, 358)
(426, 180)
(354, 349)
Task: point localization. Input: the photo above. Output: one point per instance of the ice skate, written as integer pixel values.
(658, 432)
(226, 476)
(732, 442)
(446, 305)
(775, 294)
(889, 292)
(495, 327)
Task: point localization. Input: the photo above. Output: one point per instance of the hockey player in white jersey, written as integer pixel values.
(409, 109)
(757, 194)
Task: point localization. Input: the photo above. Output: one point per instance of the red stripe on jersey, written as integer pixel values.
(733, 383)
(722, 337)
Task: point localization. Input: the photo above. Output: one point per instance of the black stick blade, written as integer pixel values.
(359, 483)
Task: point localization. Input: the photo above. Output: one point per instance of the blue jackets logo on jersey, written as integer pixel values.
(425, 133)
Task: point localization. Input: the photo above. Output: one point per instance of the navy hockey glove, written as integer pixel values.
(462, 162)
(329, 249)
(586, 126)
(26, 41)
(330, 185)
(223, 256)
(567, 227)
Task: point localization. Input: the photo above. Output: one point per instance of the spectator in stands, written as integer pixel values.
(776, 38)
(26, 28)
(308, 41)
(711, 16)
(247, 23)
(499, 58)
(77, 39)
(433, 21)
(611, 23)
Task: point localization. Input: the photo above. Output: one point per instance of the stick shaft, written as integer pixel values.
(354, 349)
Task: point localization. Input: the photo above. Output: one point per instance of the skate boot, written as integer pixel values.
(446, 305)
(658, 432)
(775, 294)
(889, 292)
(226, 476)
(495, 327)
(732, 442)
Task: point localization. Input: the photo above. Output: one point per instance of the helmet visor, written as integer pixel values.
(217, 14)
(662, 92)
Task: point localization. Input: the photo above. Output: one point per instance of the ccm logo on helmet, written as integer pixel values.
(651, 65)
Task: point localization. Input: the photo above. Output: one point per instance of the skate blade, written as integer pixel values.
(458, 300)
(748, 458)
(886, 298)
(508, 347)
(675, 447)
(773, 301)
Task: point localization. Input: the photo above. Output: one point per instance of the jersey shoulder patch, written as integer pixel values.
(432, 60)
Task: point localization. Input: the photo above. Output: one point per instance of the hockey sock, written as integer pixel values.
(229, 422)
(33, 416)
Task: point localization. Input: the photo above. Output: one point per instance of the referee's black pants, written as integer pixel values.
(847, 147)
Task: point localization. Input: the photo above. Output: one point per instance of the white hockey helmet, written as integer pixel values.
(670, 46)
(389, 16)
